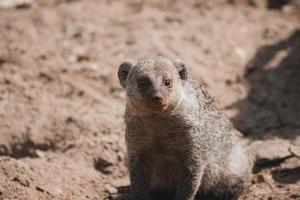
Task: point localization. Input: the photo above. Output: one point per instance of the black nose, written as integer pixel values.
(157, 99)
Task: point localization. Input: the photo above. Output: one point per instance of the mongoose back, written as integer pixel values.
(180, 146)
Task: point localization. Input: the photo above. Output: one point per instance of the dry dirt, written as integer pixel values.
(61, 106)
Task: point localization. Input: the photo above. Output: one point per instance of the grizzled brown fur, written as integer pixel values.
(179, 144)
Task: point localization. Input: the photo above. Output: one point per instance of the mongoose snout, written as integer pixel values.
(157, 98)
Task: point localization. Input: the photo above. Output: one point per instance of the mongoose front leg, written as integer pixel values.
(191, 180)
(139, 179)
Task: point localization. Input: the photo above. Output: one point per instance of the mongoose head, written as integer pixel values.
(154, 84)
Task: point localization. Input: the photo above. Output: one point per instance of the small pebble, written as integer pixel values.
(110, 189)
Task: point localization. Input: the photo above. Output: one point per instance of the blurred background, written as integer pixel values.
(61, 106)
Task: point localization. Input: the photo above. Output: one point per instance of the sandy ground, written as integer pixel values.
(61, 106)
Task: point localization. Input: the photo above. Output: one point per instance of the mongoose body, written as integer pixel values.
(179, 144)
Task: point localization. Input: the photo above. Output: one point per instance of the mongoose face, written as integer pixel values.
(153, 84)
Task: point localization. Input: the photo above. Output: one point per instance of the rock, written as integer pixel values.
(14, 3)
(40, 153)
(103, 165)
(295, 150)
(270, 150)
(110, 189)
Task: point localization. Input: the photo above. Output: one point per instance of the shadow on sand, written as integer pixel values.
(272, 107)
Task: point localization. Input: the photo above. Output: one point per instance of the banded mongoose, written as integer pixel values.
(180, 145)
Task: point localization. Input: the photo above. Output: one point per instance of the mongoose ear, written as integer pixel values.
(181, 68)
(123, 72)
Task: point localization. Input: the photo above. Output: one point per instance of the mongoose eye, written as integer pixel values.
(167, 82)
(143, 82)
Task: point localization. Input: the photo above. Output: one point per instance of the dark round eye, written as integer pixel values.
(167, 82)
(143, 82)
